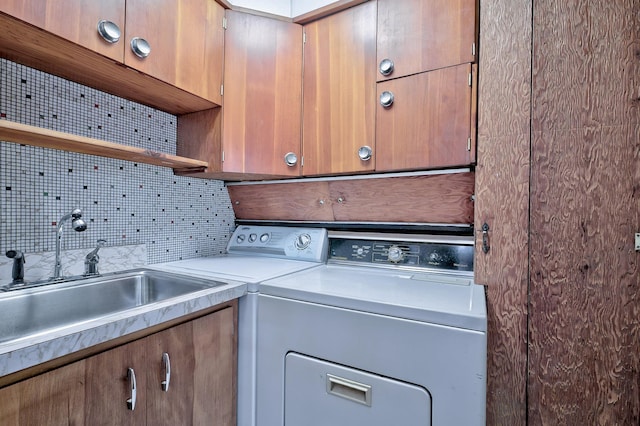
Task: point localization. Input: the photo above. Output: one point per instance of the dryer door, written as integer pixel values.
(319, 393)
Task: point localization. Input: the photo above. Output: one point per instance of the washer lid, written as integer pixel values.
(249, 269)
(445, 299)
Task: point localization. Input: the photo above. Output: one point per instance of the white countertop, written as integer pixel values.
(20, 354)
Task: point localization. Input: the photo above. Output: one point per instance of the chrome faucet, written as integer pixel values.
(78, 225)
(92, 259)
(17, 273)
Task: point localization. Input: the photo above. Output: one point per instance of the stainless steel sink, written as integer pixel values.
(33, 311)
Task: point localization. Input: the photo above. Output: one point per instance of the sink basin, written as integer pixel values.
(31, 312)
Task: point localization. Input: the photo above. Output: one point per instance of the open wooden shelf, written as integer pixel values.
(36, 136)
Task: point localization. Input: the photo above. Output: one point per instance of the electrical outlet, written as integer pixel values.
(637, 242)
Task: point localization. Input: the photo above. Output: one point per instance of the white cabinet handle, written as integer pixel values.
(109, 31)
(140, 47)
(167, 372)
(131, 402)
(348, 389)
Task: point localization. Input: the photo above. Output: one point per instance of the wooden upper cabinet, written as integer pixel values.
(186, 40)
(423, 35)
(74, 20)
(430, 122)
(339, 92)
(262, 91)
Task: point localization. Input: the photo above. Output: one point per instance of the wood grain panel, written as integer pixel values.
(339, 91)
(586, 64)
(263, 95)
(442, 198)
(421, 35)
(55, 398)
(25, 44)
(282, 201)
(504, 75)
(502, 200)
(428, 124)
(585, 277)
(502, 197)
(74, 20)
(215, 387)
(199, 136)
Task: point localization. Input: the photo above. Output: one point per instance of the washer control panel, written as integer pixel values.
(455, 255)
(280, 241)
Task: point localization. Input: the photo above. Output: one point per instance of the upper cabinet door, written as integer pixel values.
(263, 95)
(183, 40)
(429, 123)
(339, 92)
(423, 35)
(74, 20)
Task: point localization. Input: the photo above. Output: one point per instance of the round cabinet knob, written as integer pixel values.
(386, 99)
(395, 254)
(365, 153)
(291, 159)
(109, 31)
(140, 47)
(386, 66)
(303, 241)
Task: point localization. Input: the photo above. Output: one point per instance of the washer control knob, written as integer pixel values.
(303, 241)
(240, 239)
(253, 238)
(395, 254)
(264, 238)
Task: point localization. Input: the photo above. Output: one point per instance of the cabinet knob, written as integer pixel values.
(109, 31)
(386, 99)
(365, 153)
(140, 47)
(386, 66)
(291, 159)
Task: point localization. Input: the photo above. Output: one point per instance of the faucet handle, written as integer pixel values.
(92, 259)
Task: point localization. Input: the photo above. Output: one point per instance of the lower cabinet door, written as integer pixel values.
(116, 386)
(319, 393)
(53, 398)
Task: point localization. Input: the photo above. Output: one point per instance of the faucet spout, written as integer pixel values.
(78, 225)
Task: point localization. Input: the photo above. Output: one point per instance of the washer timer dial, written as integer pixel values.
(303, 241)
(395, 254)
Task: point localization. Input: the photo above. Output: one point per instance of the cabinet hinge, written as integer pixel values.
(222, 90)
(223, 156)
(473, 50)
(224, 22)
(470, 79)
(302, 161)
(468, 144)
(304, 38)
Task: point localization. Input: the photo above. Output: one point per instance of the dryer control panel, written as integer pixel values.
(280, 241)
(441, 253)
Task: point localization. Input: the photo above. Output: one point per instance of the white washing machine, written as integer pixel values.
(391, 331)
(255, 254)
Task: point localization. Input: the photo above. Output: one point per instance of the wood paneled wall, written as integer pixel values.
(584, 314)
(502, 199)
